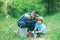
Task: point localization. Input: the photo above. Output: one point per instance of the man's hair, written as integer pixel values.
(40, 18)
(34, 11)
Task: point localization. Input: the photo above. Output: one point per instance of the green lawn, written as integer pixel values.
(52, 23)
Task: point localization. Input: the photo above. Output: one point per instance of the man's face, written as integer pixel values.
(33, 15)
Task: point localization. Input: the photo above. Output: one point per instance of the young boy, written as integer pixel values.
(39, 27)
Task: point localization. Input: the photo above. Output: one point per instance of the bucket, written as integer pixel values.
(22, 32)
(30, 35)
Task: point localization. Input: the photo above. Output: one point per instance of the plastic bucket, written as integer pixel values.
(22, 32)
(30, 35)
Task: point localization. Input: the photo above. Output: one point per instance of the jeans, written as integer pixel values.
(23, 24)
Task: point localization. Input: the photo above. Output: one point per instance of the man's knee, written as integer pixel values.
(22, 24)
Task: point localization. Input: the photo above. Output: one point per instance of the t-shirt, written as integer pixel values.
(40, 27)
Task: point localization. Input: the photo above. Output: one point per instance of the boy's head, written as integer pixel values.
(40, 19)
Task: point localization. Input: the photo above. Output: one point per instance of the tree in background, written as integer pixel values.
(2, 8)
(51, 6)
(19, 7)
(15, 8)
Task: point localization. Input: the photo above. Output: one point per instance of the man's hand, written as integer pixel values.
(27, 16)
(33, 32)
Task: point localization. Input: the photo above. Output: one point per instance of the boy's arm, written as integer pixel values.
(39, 31)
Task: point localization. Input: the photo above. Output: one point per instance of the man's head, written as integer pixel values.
(34, 13)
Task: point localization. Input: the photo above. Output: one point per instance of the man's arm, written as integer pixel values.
(24, 15)
(27, 16)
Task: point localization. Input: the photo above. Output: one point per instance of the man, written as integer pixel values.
(28, 20)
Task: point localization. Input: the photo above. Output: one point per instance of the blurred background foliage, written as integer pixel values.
(15, 8)
(11, 10)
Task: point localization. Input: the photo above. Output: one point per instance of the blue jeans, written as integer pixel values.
(23, 24)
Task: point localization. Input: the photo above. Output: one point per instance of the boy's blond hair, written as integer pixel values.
(40, 18)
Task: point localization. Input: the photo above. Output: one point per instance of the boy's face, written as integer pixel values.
(39, 22)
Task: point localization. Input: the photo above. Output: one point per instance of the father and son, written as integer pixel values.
(34, 24)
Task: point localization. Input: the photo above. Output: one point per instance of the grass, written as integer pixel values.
(52, 23)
